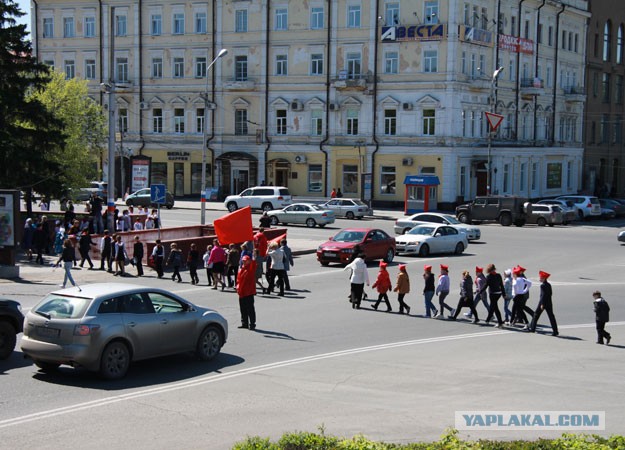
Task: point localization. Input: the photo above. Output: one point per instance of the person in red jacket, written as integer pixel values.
(260, 242)
(383, 285)
(246, 288)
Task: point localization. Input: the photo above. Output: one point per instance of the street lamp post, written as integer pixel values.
(221, 53)
(491, 102)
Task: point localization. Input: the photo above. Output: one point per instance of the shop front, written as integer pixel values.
(420, 193)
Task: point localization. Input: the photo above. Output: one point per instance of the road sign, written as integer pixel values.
(157, 193)
(494, 120)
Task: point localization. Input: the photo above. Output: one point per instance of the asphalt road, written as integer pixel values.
(314, 362)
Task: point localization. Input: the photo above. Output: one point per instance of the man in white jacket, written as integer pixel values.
(359, 277)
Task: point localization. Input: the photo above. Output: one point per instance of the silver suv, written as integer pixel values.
(260, 197)
(587, 206)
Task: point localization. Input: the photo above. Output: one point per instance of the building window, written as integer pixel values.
(605, 128)
(550, 36)
(70, 69)
(431, 11)
(121, 68)
(522, 177)
(526, 30)
(179, 120)
(388, 180)
(282, 17)
(90, 27)
(618, 130)
(506, 178)
(200, 22)
(240, 122)
(157, 67)
(199, 120)
(619, 45)
(315, 178)
(618, 91)
(316, 64)
(350, 178)
(513, 30)
(68, 27)
(569, 174)
(390, 122)
(391, 62)
(563, 45)
(353, 65)
(317, 122)
(539, 33)
(90, 69)
(281, 122)
(178, 26)
(157, 120)
(353, 16)
(48, 27)
(467, 15)
(605, 86)
(156, 25)
(123, 120)
(200, 67)
(316, 18)
(429, 122)
(576, 49)
(281, 65)
(121, 25)
(391, 14)
(352, 122)
(240, 25)
(178, 68)
(607, 37)
(240, 68)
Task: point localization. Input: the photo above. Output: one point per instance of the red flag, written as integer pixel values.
(235, 228)
(278, 239)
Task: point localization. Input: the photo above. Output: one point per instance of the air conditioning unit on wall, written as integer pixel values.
(144, 105)
(296, 105)
(407, 162)
(333, 106)
(407, 106)
(300, 159)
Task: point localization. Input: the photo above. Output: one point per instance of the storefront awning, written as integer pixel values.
(422, 180)
(237, 156)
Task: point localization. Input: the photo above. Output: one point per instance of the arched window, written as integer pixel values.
(607, 37)
(619, 45)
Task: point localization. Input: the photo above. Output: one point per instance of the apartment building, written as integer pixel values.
(352, 94)
(605, 71)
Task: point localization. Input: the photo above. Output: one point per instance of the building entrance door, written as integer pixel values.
(239, 176)
(178, 179)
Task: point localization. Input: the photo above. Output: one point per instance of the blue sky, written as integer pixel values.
(25, 7)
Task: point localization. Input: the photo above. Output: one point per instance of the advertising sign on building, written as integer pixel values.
(475, 36)
(140, 173)
(7, 219)
(516, 44)
(432, 32)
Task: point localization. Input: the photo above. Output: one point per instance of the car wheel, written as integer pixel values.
(551, 224)
(267, 206)
(209, 344)
(169, 206)
(459, 248)
(7, 339)
(46, 366)
(349, 215)
(115, 361)
(424, 250)
(390, 255)
(541, 222)
(274, 221)
(463, 217)
(130, 203)
(310, 222)
(505, 220)
(232, 206)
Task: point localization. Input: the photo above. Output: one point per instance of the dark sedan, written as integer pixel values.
(374, 243)
(142, 197)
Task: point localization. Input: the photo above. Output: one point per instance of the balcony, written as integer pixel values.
(532, 87)
(239, 85)
(574, 94)
(354, 82)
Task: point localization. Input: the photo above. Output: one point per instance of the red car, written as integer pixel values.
(375, 244)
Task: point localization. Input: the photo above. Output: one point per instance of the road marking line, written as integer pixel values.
(252, 370)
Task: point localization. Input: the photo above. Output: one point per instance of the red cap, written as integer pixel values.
(427, 267)
(444, 267)
(479, 269)
(246, 258)
(402, 267)
(517, 270)
(522, 269)
(383, 264)
(542, 274)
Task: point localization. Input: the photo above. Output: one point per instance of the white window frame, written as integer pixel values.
(241, 62)
(281, 122)
(354, 13)
(391, 14)
(157, 67)
(48, 27)
(177, 67)
(121, 69)
(179, 121)
(90, 69)
(121, 25)
(69, 29)
(89, 26)
(391, 62)
(352, 122)
(430, 11)
(200, 120)
(430, 61)
(317, 18)
(157, 121)
(282, 65)
(390, 122)
(316, 122)
(240, 21)
(177, 23)
(156, 24)
(316, 64)
(69, 67)
(281, 19)
(429, 122)
(200, 21)
(353, 62)
(200, 66)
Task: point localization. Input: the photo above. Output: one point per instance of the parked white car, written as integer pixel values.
(569, 213)
(348, 207)
(404, 225)
(425, 239)
(586, 206)
(259, 197)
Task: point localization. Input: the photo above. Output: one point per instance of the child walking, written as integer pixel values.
(383, 285)
(402, 287)
(175, 260)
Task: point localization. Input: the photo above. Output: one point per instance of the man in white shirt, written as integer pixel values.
(359, 277)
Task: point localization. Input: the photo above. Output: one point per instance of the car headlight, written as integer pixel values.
(320, 249)
(348, 250)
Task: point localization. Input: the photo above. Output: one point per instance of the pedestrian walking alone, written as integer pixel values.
(67, 258)
(359, 277)
(545, 304)
(246, 288)
(84, 247)
(402, 287)
(383, 285)
(602, 316)
(428, 291)
(442, 290)
(466, 297)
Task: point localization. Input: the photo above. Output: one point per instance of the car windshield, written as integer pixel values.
(317, 208)
(427, 231)
(452, 220)
(63, 307)
(349, 236)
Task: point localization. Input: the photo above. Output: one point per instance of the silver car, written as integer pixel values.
(404, 225)
(425, 239)
(543, 215)
(302, 213)
(348, 207)
(105, 326)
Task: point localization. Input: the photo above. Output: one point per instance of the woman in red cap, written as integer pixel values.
(246, 288)
(442, 290)
(428, 291)
(383, 285)
(402, 287)
(520, 292)
(545, 304)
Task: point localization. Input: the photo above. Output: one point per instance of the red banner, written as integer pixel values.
(235, 227)
(516, 44)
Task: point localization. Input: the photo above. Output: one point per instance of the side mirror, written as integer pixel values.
(331, 238)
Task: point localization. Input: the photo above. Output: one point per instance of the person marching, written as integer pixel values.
(158, 255)
(84, 246)
(523, 305)
(208, 265)
(120, 257)
(359, 277)
(218, 257)
(545, 304)
(67, 257)
(193, 260)
(507, 288)
(520, 288)
(428, 291)
(466, 297)
(288, 263)
(175, 260)
(232, 264)
(495, 286)
(383, 285)
(480, 288)
(246, 288)
(402, 287)
(264, 220)
(442, 290)
(106, 251)
(602, 316)
(276, 255)
(137, 255)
